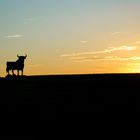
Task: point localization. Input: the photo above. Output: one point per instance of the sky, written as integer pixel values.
(71, 36)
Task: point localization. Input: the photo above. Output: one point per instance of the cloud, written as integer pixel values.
(109, 50)
(138, 42)
(116, 33)
(86, 58)
(124, 48)
(28, 20)
(104, 55)
(133, 58)
(83, 41)
(133, 64)
(105, 58)
(14, 36)
(121, 58)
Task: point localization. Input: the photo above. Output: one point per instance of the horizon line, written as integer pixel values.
(114, 73)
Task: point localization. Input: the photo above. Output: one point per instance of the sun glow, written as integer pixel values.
(133, 68)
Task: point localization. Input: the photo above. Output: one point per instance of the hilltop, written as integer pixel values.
(43, 97)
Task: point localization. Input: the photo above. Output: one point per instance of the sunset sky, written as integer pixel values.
(71, 36)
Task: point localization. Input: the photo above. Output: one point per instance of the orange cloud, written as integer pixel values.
(121, 48)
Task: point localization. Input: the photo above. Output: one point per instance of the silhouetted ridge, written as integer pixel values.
(43, 97)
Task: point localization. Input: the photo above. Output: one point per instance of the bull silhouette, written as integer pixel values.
(17, 65)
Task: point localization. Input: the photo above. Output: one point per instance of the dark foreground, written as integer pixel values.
(36, 98)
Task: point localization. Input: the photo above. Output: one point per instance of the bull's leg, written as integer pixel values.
(7, 71)
(18, 72)
(13, 72)
(22, 72)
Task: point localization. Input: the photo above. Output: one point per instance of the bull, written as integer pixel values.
(17, 65)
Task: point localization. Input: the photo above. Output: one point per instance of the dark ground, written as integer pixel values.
(37, 98)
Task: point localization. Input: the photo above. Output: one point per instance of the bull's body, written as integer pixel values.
(17, 65)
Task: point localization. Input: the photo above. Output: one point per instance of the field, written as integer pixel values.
(30, 98)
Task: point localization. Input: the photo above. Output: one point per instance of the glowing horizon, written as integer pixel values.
(71, 36)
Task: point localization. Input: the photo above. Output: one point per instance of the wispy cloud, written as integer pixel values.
(138, 42)
(122, 58)
(104, 58)
(14, 36)
(28, 20)
(104, 55)
(133, 64)
(113, 49)
(116, 33)
(83, 41)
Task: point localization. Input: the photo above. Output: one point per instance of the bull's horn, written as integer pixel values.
(17, 55)
(25, 55)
